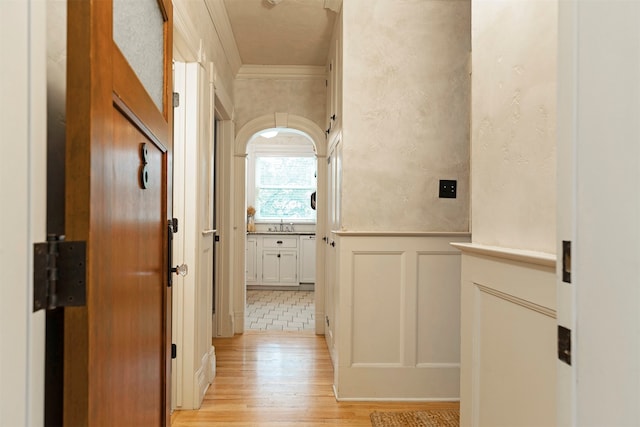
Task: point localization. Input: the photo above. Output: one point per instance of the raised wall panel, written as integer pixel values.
(438, 308)
(514, 354)
(508, 337)
(377, 310)
(396, 322)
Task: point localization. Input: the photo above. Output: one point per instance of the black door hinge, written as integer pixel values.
(174, 351)
(176, 99)
(59, 274)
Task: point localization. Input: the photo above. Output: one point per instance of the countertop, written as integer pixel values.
(281, 233)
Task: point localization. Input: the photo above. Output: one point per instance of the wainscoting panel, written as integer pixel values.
(508, 346)
(438, 308)
(398, 316)
(377, 280)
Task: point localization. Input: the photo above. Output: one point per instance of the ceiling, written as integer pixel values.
(282, 32)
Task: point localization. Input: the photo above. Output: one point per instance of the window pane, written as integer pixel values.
(280, 203)
(283, 188)
(138, 30)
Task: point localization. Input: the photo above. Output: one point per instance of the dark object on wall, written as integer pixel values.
(447, 189)
(566, 261)
(313, 200)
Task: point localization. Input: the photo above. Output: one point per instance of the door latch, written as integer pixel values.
(182, 269)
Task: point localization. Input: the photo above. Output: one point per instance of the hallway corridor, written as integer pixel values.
(279, 379)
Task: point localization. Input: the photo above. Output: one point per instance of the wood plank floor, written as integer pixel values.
(279, 379)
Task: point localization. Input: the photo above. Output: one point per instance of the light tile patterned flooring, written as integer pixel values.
(280, 310)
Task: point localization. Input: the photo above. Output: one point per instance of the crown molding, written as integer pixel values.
(220, 20)
(289, 72)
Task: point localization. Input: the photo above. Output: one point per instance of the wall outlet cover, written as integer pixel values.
(448, 188)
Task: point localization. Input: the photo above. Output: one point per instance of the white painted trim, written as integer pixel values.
(23, 190)
(517, 301)
(238, 199)
(220, 21)
(393, 399)
(282, 72)
(184, 37)
(211, 357)
(529, 257)
(280, 120)
(395, 363)
(437, 365)
(401, 233)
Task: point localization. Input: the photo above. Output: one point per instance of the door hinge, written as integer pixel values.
(176, 99)
(174, 351)
(59, 274)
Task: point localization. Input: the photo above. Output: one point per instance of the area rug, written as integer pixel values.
(429, 418)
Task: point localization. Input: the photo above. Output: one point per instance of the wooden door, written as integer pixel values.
(117, 347)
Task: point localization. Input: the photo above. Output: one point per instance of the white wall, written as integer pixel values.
(406, 114)
(514, 124)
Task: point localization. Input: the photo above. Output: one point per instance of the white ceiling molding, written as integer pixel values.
(333, 5)
(185, 39)
(288, 72)
(220, 20)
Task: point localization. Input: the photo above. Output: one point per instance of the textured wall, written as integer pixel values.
(513, 134)
(257, 97)
(406, 114)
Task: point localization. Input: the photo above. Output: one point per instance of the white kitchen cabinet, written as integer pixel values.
(251, 261)
(307, 259)
(276, 260)
(279, 267)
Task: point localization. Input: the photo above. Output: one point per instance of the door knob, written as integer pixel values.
(182, 269)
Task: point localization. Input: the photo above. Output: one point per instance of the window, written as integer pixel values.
(283, 187)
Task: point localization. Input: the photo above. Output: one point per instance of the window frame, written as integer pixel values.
(256, 150)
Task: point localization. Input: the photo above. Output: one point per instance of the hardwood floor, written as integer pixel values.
(280, 379)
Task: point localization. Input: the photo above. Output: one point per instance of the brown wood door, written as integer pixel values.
(117, 348)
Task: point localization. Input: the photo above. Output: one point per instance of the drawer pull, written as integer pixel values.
(279, 242)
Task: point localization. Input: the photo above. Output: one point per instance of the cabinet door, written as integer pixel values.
(270, 266)
(307, 259)
(288, 267)
(251, 271)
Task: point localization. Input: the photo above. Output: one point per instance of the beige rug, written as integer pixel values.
(429, 418)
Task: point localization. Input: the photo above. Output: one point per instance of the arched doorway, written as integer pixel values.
(313, 132)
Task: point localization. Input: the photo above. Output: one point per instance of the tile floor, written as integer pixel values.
(280, 310)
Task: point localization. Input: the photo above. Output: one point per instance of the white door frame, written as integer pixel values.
(194, 365)
(23, 193)
(243, 136)
(599, 211)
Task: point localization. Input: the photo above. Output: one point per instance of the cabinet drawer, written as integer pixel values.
(279, 242)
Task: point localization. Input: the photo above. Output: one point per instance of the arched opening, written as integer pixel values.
(296, 129)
